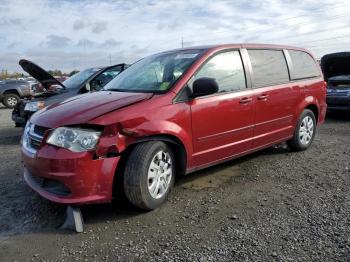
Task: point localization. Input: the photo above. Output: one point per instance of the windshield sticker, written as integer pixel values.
(185, 56)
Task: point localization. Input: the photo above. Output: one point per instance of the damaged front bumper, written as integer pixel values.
(62, 176)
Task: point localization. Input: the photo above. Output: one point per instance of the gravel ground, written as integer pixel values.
(274, 205)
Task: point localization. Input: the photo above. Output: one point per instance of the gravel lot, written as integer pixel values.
(274, 205)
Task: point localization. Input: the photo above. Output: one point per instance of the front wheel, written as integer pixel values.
(149, 174)
(304, 132)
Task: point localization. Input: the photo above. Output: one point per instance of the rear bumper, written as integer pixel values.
(65, 177)
(338, 103)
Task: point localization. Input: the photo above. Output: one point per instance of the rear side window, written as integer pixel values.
(269, 67)
(227, 69)
(304, 65)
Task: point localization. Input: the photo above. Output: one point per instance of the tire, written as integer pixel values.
(302, 140)
(10, 100)
(145, 173)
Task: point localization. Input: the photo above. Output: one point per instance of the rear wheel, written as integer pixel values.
(149, 174)
(10, 100)
(304, 132)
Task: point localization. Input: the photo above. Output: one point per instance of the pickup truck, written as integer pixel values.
(11, 91)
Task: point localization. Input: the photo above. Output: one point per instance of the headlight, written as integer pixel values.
(25, 134)
(74, 139)
(34, 106)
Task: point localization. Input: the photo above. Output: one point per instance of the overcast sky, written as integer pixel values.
(78, 34)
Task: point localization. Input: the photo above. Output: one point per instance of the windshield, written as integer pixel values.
(78, 79)
(156, 73)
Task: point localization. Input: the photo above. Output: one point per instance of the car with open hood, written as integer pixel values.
(336, 70)
(170, 114)
(53, 91)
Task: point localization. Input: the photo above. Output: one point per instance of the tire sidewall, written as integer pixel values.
(153, 203)
(303, 115)
(5, 100)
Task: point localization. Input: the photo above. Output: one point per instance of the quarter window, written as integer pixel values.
(269, 67)
(304, 65)
(227, 69)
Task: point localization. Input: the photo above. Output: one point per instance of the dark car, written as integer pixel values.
(11, 91)
(336, 70)
(88, 80)
(169, 114)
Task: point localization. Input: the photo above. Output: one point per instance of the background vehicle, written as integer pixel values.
(88, 80)
(39, 88)
(336, 70)
(12, 90)
(169, 114)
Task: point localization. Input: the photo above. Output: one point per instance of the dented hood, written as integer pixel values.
(335, 64)
(83, 108)
(39, 74)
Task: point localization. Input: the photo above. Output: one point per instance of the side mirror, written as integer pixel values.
(204, 86)
(87, 87)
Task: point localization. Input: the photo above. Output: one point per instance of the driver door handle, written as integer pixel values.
(245, 100)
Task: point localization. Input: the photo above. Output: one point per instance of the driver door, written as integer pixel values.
(222, 123)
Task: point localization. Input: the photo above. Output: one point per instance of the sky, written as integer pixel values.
(77, 34)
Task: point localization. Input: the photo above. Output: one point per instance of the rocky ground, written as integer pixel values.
(274, 205)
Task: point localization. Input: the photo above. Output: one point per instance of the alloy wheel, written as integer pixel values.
(306, 130)
(12, 101)
(160, 174)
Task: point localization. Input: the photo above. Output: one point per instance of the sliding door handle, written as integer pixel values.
(245, 100)
(263, 97)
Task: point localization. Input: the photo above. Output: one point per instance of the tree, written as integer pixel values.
(55, 72)
(73, 72)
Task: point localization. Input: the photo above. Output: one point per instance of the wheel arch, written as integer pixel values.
(176, 145)
(174, 142)
(311, 103)
(11, 91)
(314, 109)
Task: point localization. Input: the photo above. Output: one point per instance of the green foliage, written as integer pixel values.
(73, 72)
(4, 74)
(55, 72)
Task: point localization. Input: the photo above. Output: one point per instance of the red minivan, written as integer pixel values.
(170, 114)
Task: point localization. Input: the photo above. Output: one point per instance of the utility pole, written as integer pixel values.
(182, 42)
(110, 59)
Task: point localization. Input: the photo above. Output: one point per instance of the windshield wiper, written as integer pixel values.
(119, 90)
(130, 90)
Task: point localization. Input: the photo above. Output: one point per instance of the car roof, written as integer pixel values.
(238, 45)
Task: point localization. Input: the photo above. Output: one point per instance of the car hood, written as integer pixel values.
(83, 108)
(335, 64)
(39, 74)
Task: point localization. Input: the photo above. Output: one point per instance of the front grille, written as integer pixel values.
(50, 185)
(33, 136)
(40, 130)
(34, 144)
